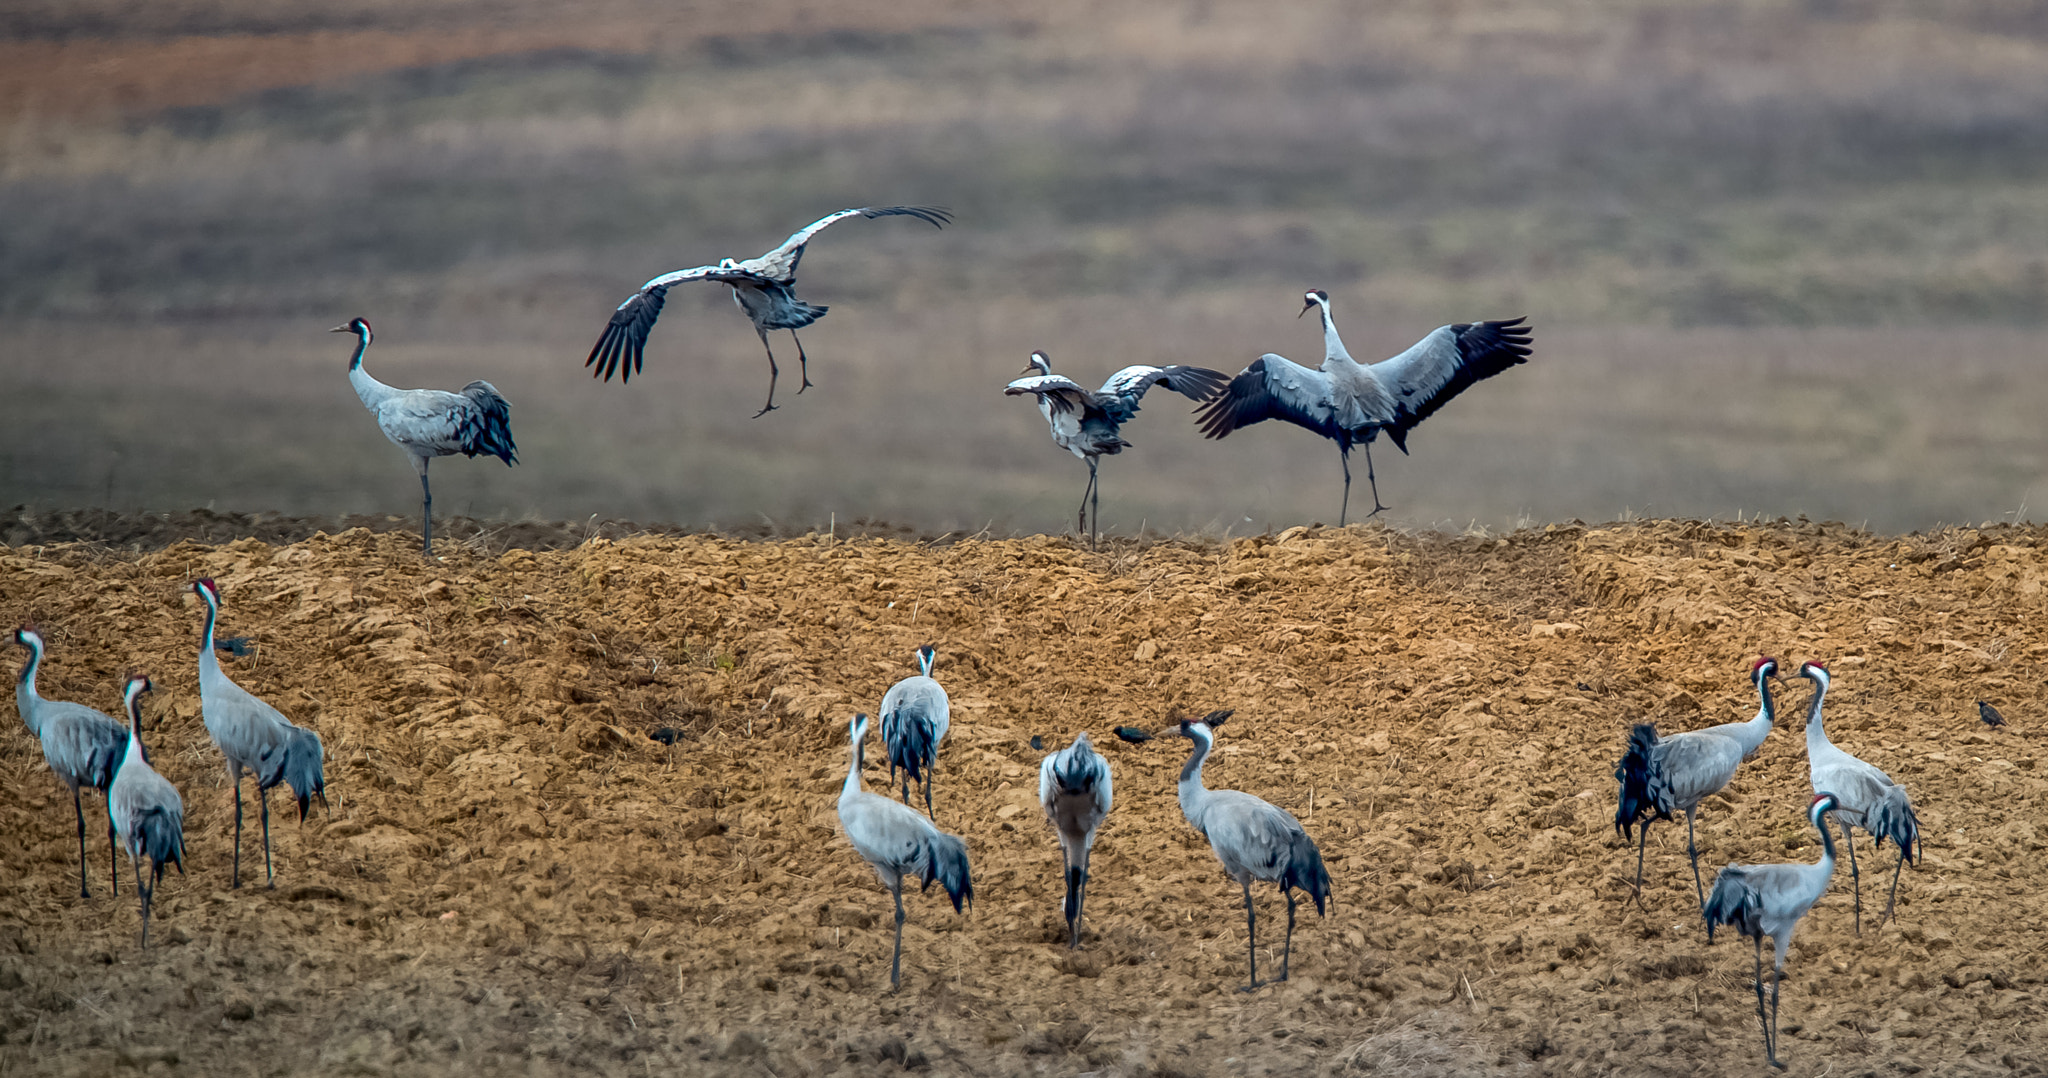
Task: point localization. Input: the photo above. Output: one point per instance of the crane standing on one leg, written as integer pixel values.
(256, 736)
(1074, 788)
(898, 842)
(1253, 839)
(81, 745)
(1769, 900)
(1869, 798)
(429, 423)
(145, 808)
(915, 717)
(1659, 775)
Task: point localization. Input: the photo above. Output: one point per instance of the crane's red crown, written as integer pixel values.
(1763, 661)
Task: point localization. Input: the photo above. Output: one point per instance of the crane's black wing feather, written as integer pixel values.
(1445, 364)
(625, 338)
(1273, 388)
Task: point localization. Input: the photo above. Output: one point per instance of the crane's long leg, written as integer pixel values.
(1251, 933)
(1287, 952)
(1074, 906)
(1699, 890)
(925, 784)
(113, 857)
(426, 508)
(1373, 480)
(1094, 507)
(1344, 454)
(1642, 840)
(1855, 877)
(1763, 1022)
(773, 371)
(263, 797)
(803, 362)
(1081, 515)
(235, 879)
(143, 892)
(896, 960)
(1893, 900)
(1777, 978)
(80, 810)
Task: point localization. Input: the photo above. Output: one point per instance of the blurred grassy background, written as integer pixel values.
(1782, 257)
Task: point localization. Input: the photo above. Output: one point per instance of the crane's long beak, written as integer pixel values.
(342, 329)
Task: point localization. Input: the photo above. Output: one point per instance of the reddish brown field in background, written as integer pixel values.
(515, 879)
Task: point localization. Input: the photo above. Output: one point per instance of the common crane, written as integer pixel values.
(915, 716)
(1769, 900)
(1352, 403)
(1074, 788)
(764, 288)
(81, 745)
(144, 807)
(1869, 798)
(898, 843)
(429, 423)
(256, 736)
(1659, 775)
(1085, 422)
(1253, 839)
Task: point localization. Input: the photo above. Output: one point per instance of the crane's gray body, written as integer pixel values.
(897, 842)
(1770, 900)
(1076, 790)
(915, 716)
(82, 746)
(1868, 797)
(1253, 839)
(1352, 403)
(145, 808)
(255, 736)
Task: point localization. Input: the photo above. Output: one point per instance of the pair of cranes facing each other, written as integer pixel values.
(1252, 838)
(1663, 775)
(1344, 400)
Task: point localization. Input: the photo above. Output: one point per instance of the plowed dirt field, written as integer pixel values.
(516, 879)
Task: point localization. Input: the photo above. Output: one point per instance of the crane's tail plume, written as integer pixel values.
(1305, 870)
(488, 431)
(910, 742)
(1636, 774)
(1894, 819)
(946, 862)
(795, 314)
(1734, 902)
(303, 769)
(160, 836)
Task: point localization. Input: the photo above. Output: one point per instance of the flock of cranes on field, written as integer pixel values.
(1348, 402)
(86, 748)
(1253, 839)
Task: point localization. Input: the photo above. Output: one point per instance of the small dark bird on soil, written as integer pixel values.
(238, 646)
(1133, 735)
(1989, 714)
(667, 735)
(1037, 742)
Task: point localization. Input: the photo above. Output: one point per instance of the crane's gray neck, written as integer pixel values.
(133, 704)
(853, 784)
(362, 345)
(207, 661)
(25, 698)
(1755, 730)
(1827, 840)
(1333, 345)
(369, 390)
(1815, 733)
